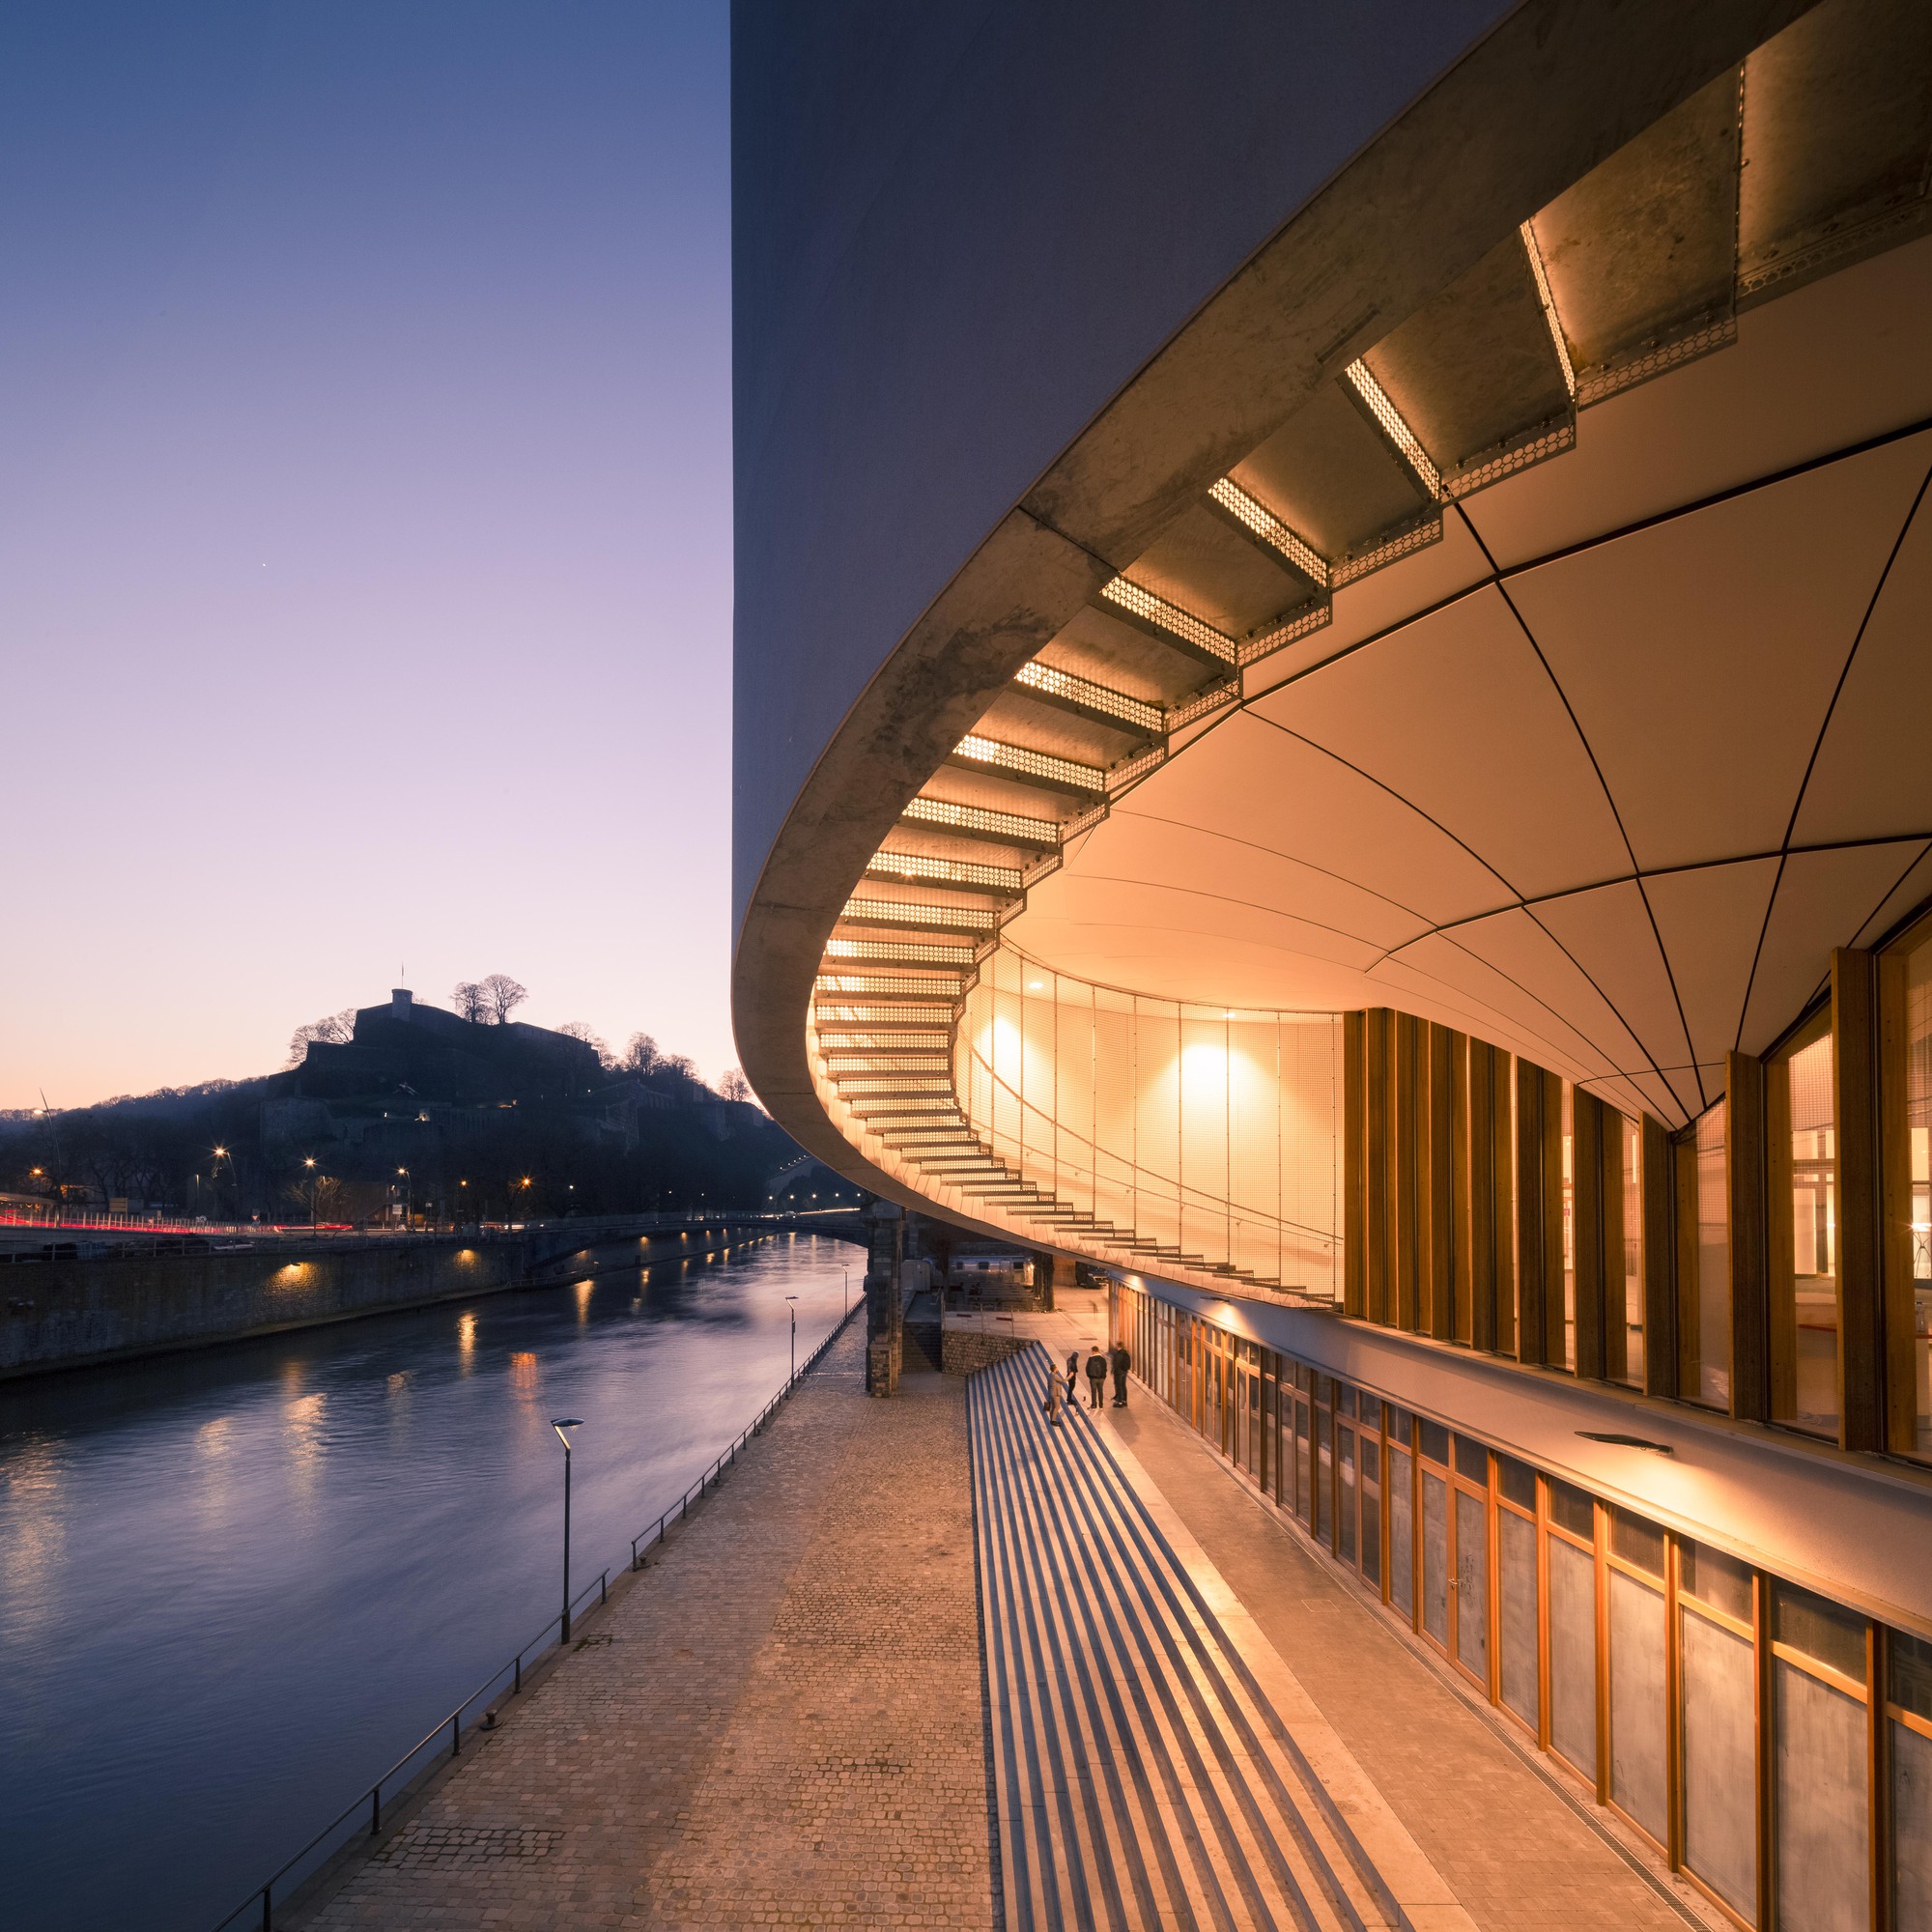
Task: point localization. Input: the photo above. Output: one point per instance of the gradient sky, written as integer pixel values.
(364, 522)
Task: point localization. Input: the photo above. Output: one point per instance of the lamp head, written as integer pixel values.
(562, 1422)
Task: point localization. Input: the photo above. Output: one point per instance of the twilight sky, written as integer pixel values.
(364, 522)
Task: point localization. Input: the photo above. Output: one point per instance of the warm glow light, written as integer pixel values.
(1170, 618)
(911, 912)
(1087, 695)
(1025, 763)
(1398, 432)
(1273, 531)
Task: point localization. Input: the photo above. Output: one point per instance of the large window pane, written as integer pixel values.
(1706, 1290)
(1573, 1654)
(1324, 1480)
(1345, 1496)
(1908, 993)
(1720, 1737)
(1569, 1225)
(1304, 1488)
(1632, 1270)
(1436, 1556)
(1637, 1749)
(1472, 1584)
(1516, 1563)
(1402, 1532)
(1804, 1234)
(1372, 1509)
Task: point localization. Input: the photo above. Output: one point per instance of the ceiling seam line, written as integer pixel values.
(1224, 899)
(1851, 656)
(1589, 752)
(1408, 804)
(1744, 1006)
(1913, 860)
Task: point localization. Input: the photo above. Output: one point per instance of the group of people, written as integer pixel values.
(1097, 1366)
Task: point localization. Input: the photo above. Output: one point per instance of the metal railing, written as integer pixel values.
(259, 1907)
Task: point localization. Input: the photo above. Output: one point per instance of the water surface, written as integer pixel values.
(235, 1585)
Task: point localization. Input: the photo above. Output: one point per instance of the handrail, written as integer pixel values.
(371, 1799)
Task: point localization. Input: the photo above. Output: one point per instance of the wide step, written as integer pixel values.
(1141, 1778)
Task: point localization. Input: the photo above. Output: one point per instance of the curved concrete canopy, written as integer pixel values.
(1519, 562)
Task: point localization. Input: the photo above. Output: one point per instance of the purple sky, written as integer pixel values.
(364, 522)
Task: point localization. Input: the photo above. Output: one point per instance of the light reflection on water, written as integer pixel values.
(235, 1585)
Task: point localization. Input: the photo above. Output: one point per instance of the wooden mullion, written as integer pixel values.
(1462, 1260)
(1616, 1262)
(1378, 1169)
(1586, 1179)
(1553, 1219)
(1438, 1178)
(1862, 1354)
(1744, 1200)
(1502, 1170)
(1408, 1134)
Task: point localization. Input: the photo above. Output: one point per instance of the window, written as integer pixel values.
(1704, 1263)
(1632, 1313)
(1568, 1360)
(1909, 1725)
(1517, 1588)
(1572, 1626)
(1639, 1780)
(1906, 993)
(1801, 1142)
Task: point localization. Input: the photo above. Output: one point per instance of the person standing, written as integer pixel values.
(1052, 1404)
(1123, 1362)
(1096, 1379)
(1073, 1374)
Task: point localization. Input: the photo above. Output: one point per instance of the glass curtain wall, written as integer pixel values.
(1212, 1132)
(1704, 1263)
(1727, 1713)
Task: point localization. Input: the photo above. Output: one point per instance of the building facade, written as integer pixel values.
(1334, 651)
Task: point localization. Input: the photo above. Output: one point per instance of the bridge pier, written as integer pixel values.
(885, 1304)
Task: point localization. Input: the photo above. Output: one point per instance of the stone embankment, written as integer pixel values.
(72, 1314)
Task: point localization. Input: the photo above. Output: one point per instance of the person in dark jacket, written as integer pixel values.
(1072, 1373)
(1096, 1380)
(1121, 1362)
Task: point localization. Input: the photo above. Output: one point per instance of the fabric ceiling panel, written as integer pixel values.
(1785, 393)
(1260, 784)
(1823, 901)
(1710, 919)
(1608, 933)
(1700, 655)
(1515, 943)
(1131, 850)
(1566, 1050)
(1872, 776)
(1373, 604)
(1456, 714)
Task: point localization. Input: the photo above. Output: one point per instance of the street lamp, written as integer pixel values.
(793, 1299)
(308, 1161)
(560, 1423)
(409, 1197)
(847, 1274)
(221, 1153)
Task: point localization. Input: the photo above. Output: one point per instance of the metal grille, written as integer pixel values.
(1170, 617)
(1392, 425)
(976, 819)
(899, 951)
(1116, 705)
(876, 984)
(1273, 531)
(943, 871)
(912, 912)
(1025, 763)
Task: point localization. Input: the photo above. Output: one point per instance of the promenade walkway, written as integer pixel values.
(784, 1721)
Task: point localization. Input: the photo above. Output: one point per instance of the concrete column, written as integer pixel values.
(885, 1307)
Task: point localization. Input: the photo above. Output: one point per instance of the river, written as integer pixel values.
(236, 1583)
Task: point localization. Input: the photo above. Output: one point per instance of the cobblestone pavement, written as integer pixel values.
(785, 1726)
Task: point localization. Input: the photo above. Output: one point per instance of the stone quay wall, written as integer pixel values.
(70, 1314)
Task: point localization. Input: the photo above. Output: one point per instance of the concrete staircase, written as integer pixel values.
(1141, 1777)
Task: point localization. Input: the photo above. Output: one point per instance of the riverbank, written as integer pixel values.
(80, 1314)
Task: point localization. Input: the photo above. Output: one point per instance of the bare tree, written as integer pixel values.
(736, 1087)
(469, 1001)
(582, 1029)
(501, 995)
(641, 1056)
(337, 1029)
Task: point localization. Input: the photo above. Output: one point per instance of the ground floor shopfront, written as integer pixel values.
(1771, 1742)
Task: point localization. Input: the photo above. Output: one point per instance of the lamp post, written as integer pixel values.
(560, 1423)
(221, 1153)
(308, 1161)
(409, 1197)
(847, 1274)
(793, 1300)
